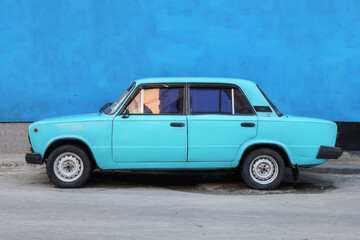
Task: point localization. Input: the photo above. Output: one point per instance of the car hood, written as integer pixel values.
(73, 118)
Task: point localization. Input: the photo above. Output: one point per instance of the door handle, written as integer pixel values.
(177, 124)
(247, 124)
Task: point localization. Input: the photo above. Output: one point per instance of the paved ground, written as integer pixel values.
(175, 205)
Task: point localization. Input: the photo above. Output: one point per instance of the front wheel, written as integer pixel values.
(68, 166)
(263, 168)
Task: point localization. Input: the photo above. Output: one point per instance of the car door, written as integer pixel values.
(154, 129)
(220, 119)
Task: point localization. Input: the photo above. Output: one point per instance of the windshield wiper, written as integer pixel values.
(104, 107)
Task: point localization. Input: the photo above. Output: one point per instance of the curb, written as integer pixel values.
(14, 166)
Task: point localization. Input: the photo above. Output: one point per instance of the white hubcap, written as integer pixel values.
(264, 169)
(68, 167)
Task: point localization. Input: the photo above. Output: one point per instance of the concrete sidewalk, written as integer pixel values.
(12, 160)
(349, 163)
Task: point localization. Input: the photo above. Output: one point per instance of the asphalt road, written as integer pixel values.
(175, 205)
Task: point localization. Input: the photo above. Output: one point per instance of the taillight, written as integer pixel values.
(31, 149)
(338, 135)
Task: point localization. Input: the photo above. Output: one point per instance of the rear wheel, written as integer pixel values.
(263, 168)
(68, 166)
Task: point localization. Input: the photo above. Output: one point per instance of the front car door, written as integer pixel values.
(155, 130)
(220, 119)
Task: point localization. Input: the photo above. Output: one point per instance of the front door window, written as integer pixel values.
(157, 101)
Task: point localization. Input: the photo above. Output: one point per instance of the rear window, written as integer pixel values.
(271, 104)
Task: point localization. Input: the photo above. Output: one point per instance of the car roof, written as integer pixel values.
(194, 80)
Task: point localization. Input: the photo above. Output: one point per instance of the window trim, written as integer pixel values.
(233, 101)
(217, 85)
(143, 86)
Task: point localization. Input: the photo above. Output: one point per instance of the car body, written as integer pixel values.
(186, 123)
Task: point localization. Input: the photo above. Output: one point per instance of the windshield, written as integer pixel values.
(271, 104)
(114, 107)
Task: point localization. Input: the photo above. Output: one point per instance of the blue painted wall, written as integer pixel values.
(68, 57)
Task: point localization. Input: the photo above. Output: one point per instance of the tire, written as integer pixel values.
(68, 166)
(263, 169)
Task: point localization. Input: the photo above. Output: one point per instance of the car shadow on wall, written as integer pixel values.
(206, 182)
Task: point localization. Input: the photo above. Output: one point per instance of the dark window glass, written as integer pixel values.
(211, 100)
(171, 100)
(242, 106)
(225, 101)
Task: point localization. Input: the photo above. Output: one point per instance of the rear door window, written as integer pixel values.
(218, 100)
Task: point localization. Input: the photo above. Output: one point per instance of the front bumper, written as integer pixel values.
(33, 158)
(326, 152)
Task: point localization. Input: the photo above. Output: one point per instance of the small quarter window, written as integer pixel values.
(242, 106)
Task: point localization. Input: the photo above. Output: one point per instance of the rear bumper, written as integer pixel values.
(33, 158)
(326, 152)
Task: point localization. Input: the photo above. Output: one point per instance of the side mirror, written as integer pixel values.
(126, 114)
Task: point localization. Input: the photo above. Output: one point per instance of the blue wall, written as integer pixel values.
(68, 57)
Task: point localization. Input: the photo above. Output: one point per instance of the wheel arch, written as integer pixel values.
(273, 146)
(71, 141)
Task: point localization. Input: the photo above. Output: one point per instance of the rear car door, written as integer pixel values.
(220, 119)
(155, 129)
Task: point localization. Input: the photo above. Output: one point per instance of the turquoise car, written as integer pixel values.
(183, 123)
